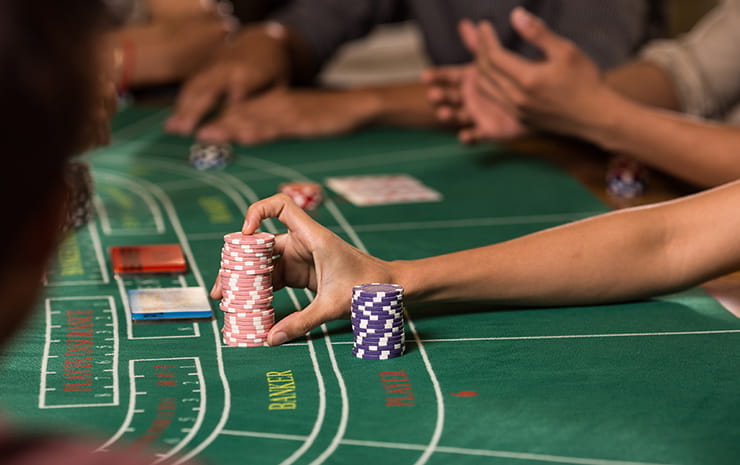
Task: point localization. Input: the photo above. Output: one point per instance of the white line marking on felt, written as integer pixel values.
(182, 237)
(125, 426)
(177, 226)
(290, 173)
(321, 413)
(475, 222)
(386, 158)
(342, 391)
(131, 410)
(201, 411)
(217, 182)
(143, 185)
(252, 197)
(47, 346)
(135, 187)
(255, 434)
(585, 336)
(497, 453)
(447, 450)
(134, 129)
(570, 336)
(98, 249)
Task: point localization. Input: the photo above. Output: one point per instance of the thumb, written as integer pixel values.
(299, 323)
(536, 32)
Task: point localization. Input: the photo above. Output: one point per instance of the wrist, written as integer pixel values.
(404, 273)
(367, 105)
(602, 125)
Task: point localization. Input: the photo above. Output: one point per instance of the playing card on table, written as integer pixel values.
(385, 189)
(170, 302)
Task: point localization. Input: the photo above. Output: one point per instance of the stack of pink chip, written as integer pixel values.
(246, 284)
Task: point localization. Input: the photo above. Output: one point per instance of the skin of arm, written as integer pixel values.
(644, 82)
(261, 56)
(699, 151)
(305, 113)
(625, 255)
(400, 105)
(566, 93)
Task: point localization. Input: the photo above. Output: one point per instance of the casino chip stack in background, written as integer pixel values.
(626, 177)
(210, 156)
(377, 321)
(246, 285)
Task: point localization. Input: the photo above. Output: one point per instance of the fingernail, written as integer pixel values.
(278, 339)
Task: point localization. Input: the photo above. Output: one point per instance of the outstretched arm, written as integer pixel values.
(624, 255)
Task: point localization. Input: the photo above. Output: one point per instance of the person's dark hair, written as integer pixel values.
(48, 70)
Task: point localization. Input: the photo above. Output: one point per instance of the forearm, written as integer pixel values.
(704, 153)
(400, 105)
(599, 260)
(625, 255)
(645, 83)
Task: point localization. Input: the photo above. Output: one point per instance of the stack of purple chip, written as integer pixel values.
(377, 321)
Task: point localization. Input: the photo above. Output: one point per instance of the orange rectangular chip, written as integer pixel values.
(156, 258)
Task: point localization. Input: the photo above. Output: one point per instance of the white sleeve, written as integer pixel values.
(705, 63)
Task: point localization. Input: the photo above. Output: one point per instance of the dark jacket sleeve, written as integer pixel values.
(326, 25)
(609, 31)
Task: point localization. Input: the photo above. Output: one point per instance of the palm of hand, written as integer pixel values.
(296, 266)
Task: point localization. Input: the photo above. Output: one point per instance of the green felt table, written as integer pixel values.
(644, 382)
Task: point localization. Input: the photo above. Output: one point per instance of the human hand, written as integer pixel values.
(255, 60)
(311, 256)
(564, 92)
(288, 113)
(454, 93)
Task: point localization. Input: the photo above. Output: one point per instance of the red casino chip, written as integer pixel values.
(307, 195)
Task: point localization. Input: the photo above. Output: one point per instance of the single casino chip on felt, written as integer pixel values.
(155, 258)
(307, 195)
(169, 303)
(205, 156)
